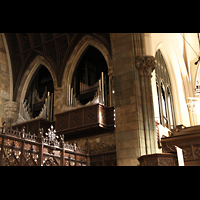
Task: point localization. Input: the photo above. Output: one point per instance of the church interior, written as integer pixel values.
(99, 99)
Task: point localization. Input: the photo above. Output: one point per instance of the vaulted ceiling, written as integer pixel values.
(55, 47)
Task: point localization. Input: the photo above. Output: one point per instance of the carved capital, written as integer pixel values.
(191, 103)
(145, 64)
(10, 109)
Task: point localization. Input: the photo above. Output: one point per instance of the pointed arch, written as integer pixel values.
(9, 65)
(39, 60)
(87, 40)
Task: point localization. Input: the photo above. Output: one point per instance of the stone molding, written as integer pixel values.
(145, 64)
(10, 109)
(110, 72)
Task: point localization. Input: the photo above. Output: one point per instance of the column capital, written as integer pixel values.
(191, 103)
(145, 64)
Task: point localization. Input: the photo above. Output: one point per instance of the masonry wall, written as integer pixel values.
(4, 80)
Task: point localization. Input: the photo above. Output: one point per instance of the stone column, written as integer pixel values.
(146, 65)
(191, 103)
(10, 109)
(135, 131)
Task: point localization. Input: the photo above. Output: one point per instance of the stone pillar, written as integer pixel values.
(191, 104)
(10, 109)
(135, 131)
(146, 65)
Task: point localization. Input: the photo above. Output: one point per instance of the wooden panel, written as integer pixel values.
(62, 122)
(90, 115)
(76, 119)
(85, 121)
(34, 125)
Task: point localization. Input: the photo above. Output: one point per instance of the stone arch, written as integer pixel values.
(78, 51)
(39, 60)
(9, 66)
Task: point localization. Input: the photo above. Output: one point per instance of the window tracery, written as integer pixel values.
(164, 93)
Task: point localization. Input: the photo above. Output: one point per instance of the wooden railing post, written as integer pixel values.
(40, 136)
(2, 144)
(1, 153)
(22, 149)
(62, 144)
(87, 149)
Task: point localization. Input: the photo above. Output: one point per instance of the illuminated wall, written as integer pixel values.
(178, 50)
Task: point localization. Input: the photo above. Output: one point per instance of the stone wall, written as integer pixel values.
(4, 80)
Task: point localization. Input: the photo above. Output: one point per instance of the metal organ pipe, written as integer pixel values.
(48, 106)
(102, 79)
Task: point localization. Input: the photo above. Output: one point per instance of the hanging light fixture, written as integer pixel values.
(192, 48)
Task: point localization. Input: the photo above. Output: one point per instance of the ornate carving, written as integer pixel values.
(191, 103)
(51, 137)
(90, 116)
(197, 150)
(145, 64)
(10, 109)
(76, 120)
(50, 161)
(62, 123)
(187, 153)
(165, 162)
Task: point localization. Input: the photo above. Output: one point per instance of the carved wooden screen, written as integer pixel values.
(18, 148)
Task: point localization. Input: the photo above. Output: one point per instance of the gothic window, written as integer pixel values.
(164, 93)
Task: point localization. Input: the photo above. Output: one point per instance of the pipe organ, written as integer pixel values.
(46, 111)
(100, 89)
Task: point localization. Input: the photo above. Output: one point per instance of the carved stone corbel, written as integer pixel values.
(10, 109)
(145, 64)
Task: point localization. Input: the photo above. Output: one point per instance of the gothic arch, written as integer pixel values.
(9, 65)
(78, 51)
(39, 60)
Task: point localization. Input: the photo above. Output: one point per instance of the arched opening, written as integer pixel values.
(90, 77)
(39, 95)
(162, 94)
